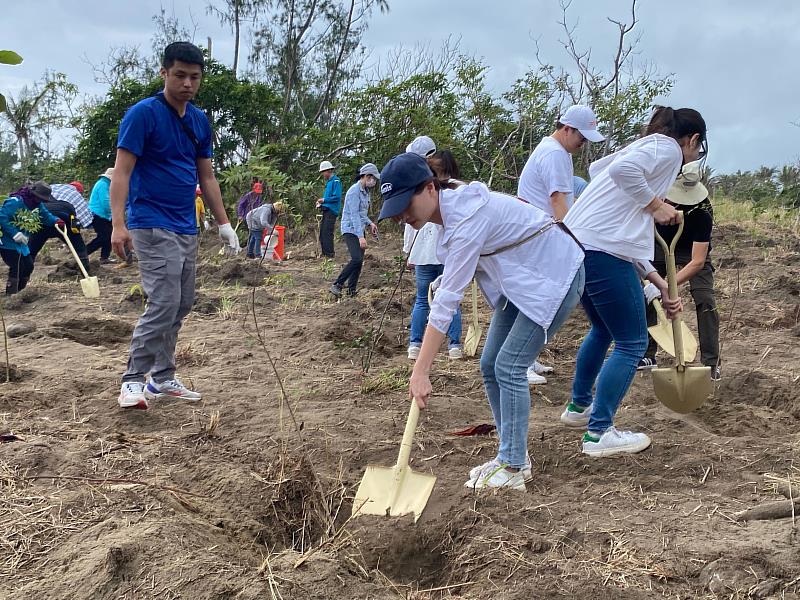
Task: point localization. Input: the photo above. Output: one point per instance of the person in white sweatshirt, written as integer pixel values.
(547, 180)
(508, 246)
(614, 221)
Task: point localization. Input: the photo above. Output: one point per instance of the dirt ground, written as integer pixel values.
(236, 497)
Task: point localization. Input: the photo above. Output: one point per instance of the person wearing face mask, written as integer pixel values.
(614, 221)
(354, 222)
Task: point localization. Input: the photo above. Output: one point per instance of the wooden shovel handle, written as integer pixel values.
(408, 434)
(672, 281)
(72, 249)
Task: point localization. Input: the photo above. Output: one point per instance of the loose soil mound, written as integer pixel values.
(236, 496)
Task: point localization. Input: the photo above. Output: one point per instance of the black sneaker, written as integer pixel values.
(336, 290)
(716, 374)
(646, 364)
(352, 293)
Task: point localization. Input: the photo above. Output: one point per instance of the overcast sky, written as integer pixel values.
(733, 60)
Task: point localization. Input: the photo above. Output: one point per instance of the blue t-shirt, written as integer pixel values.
(164, 179)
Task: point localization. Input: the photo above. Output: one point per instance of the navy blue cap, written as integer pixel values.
(400, 177)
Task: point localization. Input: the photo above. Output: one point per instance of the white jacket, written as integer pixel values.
(610, 214)
(535, 276)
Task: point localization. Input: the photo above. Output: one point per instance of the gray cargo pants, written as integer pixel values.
(167, 262)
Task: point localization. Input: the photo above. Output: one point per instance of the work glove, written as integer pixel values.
(435, 285)
(228, 235)
(206, 225)
(21, 238)
(651, 292)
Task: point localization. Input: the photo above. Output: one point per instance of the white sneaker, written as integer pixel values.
(575, 416)
(455, 353)
(534, 378)
(614, 442)
(131, 395)
(499, 477)
(491, 465)
(169, 389)
(413, 352)
(540, 369)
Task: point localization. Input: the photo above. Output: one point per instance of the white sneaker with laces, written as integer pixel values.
(413, 352)
(499, 477)
(172, 388)
(614, 442)
(575, 416)
(541, 369)
(491, 465)
(534, 378)
(455, 353)
(131, 395)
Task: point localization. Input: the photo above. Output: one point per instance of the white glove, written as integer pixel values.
(435, 285)
(206, 225)
(21, 238)
(651, 292)
(228, 235)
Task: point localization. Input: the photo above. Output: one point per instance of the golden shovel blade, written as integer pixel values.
(472, 339)
(661, 332)
(393, 492)
(90, 287)
(682, 389)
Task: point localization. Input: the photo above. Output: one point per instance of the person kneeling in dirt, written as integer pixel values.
(690, 196)
(163, 150)
(508, 246)
(22, 215)
(354, 222)
(262, 220)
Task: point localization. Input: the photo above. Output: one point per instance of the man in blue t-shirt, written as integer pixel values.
(330, 203)
(163, 151)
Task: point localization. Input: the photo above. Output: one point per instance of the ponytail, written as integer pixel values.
(676, 124)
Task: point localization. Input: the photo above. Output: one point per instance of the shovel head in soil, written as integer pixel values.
(398, 490)
(679, 388)
(474, 331)
(89, 285)
(662, 334)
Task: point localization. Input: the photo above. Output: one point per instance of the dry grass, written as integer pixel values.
(743, 213)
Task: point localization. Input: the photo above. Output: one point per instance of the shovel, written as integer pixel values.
(474, 331)
(398, 490)
(679, 388)
(661, 332)
(89, 285)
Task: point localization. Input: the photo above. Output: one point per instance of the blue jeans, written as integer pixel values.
(614, 303)
(424, 275)
(254, 242)
(513, 342)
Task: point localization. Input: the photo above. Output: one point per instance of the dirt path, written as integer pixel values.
(223, 498)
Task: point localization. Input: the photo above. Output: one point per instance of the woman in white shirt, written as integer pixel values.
(614, 221)
(508, 246)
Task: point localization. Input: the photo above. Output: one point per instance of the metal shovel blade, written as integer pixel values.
(474, 331)
(662, 334)
(398, 490)
(90, 287)
(682, 389)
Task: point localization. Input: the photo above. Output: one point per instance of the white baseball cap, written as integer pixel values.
(584, 120)
(422, 145)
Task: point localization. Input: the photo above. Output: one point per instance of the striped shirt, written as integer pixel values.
(67, 193)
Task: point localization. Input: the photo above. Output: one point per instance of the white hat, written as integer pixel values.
(688, 190)
(109, 172)
(422, 145)
(369, 169)
(584, 120)
(325, 165)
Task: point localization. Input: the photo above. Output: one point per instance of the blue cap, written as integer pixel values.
(400, 177)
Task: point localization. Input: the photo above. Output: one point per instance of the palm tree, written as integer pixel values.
(21, 114)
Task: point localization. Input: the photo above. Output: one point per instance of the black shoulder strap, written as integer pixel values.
(186, 128)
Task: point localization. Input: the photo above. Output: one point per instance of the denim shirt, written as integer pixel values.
(354, 214)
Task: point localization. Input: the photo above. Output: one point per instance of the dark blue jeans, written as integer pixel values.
(614, 303)
(424, 275)
(254, 243)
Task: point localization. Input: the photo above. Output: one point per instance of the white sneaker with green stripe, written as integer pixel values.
(491, 465)
(612, 441)
(576, 416)
(498, 477)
